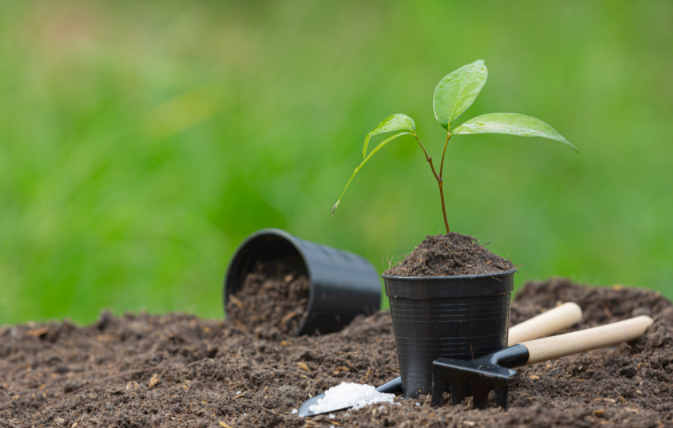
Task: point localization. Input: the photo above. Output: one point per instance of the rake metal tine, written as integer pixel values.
(501, 393)
(458, 388)
(438, 386)
(480, 392)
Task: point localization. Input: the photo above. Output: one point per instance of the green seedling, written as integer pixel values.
(454, 94)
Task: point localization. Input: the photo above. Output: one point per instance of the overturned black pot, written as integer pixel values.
(343, 284)
(461, 317)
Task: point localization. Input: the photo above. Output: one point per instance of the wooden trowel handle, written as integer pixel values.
(559, 346)
(545, 324)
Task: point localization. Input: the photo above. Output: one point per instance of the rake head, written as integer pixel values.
(477, 377)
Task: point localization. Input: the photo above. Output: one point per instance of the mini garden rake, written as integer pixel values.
(493, 371)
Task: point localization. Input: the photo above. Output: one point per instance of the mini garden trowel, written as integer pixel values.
(552, 321)
(493, 371)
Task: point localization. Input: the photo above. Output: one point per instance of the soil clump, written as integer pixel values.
(450, 255)
(210, 373)
(272, 300)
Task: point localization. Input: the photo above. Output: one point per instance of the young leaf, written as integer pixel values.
(511, 124)
(376, 149)
(456, 92)
(396, 122)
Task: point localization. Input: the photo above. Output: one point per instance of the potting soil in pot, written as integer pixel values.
(272, 300)
(449, 255)
(206, 373)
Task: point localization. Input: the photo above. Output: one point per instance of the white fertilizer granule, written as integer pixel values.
(350, 395)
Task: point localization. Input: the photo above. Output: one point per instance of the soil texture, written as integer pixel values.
(272, 300)
(450, 255)
(181, 371)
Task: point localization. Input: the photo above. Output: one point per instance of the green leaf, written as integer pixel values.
(376, 149)
(396, 122)
(456, 92)
(511, 124)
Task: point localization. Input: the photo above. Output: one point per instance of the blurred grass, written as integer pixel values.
(140, 143)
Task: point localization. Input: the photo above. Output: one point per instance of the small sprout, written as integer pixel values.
(454, 94)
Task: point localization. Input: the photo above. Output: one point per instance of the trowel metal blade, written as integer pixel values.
(392, 387)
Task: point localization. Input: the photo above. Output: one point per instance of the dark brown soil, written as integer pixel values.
(208, 373)
(272, 301)
(449, 255)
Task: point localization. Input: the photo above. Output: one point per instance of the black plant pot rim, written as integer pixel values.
(290, 239)
(447, 278)
(458, 286)
(274, 232)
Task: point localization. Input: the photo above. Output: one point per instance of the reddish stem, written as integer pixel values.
(440, 182)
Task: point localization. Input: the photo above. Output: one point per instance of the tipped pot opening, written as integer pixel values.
(342, 284)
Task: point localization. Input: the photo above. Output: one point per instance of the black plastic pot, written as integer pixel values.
(461, 317)
(343, 284)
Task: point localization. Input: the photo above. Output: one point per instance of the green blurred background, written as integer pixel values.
(140, 142)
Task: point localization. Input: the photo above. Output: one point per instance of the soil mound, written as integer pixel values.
(450, 255)
(272, 301)
(207, 373)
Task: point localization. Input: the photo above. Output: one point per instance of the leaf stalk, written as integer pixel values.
(441, 168)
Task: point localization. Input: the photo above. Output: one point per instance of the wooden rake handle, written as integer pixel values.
(549, 348)
(545, 324)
